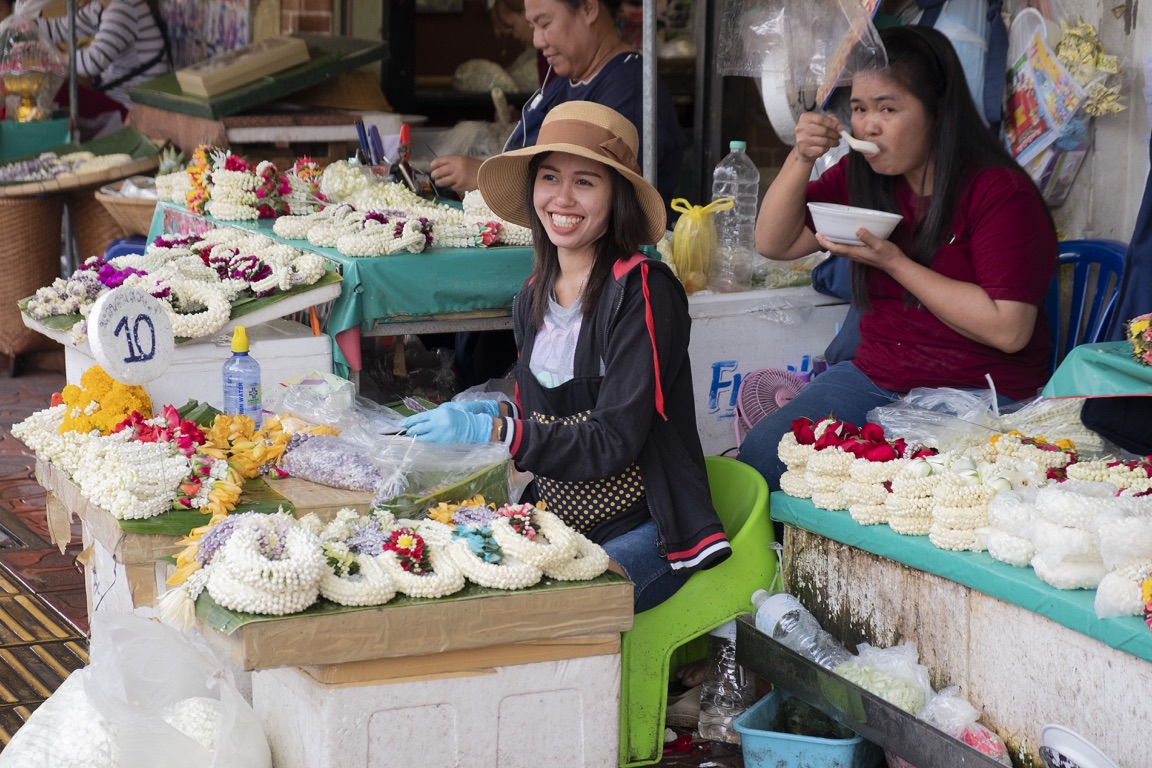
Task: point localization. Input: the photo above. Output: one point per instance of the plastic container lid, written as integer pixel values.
(738, 145)
(1074, 747)
(773, 608)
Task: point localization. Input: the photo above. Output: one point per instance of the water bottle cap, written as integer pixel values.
(774, 608)
(726, 630)
(741, 145)
(759, 596)
(239, 339)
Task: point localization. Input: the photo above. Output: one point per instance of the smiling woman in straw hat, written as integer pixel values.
(605, 418)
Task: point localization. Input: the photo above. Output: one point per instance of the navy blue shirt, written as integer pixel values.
(619, 85)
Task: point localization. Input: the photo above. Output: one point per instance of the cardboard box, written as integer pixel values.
(233, 69)
(572, 609)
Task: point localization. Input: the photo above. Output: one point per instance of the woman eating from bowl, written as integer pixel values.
(956, 292)
(604, 418)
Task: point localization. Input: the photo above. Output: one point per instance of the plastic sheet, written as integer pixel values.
(124, 702)
(814, 46)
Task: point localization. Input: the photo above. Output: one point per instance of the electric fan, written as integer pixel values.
(762, 392)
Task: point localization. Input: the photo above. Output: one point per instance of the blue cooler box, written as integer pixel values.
(765, 748)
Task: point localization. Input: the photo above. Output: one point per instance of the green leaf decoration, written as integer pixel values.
(491, 483)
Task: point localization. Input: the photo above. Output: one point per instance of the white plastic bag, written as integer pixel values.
(141, 670)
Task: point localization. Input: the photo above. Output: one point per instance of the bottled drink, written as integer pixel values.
(242, 380)
(782, 617)
(736, 177)
(727, 689)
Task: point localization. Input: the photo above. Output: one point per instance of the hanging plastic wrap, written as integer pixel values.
(807, 48)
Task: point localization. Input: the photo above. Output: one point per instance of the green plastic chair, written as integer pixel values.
(709, 599)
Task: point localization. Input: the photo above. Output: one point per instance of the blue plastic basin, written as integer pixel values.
(765, 748)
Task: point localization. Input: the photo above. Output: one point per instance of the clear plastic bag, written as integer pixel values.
(941, 417)
(894, 674)
(141, 671)
(323, 399)
(827, 41)
(694, 241)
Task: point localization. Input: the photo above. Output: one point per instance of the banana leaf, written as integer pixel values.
(240, 307)
(227, 621)
(490, 482)
(257, 496)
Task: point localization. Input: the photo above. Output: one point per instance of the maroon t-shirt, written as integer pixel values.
(1002, 241)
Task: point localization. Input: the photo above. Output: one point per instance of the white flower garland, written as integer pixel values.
(1055, 540)
(554, 544)
(868, 514)
(1010, 549)
(857, 492)
(243, 578)
(590, 561)
(510, 234)
(129, 479)
(961, 518)
(875, 472)
(1070, 572)
(910, 525)
(829, 500)
(1063, 506)
(371, 585)
(831, 462)
(444, 579)
(794, 455)
(1012, 446)
(509, 573)
(1120, 592)
(953, 539)
(794, 483)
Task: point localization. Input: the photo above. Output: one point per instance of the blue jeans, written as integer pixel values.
(842, 391)
(637, 553)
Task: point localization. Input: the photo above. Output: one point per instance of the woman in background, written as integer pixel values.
(957, 293)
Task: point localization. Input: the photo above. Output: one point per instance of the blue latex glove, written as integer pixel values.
(490, 407)
(449, 425)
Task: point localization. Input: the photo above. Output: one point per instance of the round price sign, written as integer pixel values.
(131, 335)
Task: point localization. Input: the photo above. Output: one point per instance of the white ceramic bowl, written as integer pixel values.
(839, 223)
(1073, 748)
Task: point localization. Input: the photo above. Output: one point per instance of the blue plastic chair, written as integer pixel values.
(125, 246)
(1087, 314)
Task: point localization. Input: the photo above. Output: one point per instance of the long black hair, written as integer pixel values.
(924, 63)
(624, 235)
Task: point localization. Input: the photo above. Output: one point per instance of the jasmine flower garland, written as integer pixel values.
(474, 550)
(417, 570)
(272, 569)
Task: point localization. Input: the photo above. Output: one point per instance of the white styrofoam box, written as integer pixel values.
(284, 348)
(559, 714)
(734, 334)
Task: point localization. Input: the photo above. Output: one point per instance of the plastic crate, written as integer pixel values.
(765, 748)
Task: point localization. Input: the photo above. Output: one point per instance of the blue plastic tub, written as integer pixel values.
(766, 748)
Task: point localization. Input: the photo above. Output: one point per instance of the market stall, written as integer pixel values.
(464, 288)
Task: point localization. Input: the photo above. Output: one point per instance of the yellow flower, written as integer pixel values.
(406, 541)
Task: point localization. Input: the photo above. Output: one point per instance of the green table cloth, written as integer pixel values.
(1105, 369)
(435, 284)
(1072, 608)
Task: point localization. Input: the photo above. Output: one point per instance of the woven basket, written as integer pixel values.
(32, 228)
(92, 226)
(133, 214)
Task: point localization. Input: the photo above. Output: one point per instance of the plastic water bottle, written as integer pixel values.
(242, 380)
(782, 617)
(737, 177)
(727, 689)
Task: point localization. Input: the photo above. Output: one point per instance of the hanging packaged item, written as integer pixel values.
(694, 241)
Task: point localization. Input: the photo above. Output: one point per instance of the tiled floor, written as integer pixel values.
(43, 613)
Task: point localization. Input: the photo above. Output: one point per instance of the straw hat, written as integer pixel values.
(581, 128)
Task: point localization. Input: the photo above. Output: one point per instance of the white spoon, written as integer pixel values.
(860, 145)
